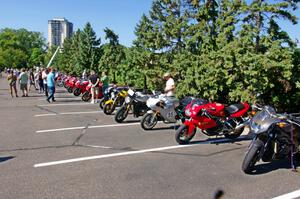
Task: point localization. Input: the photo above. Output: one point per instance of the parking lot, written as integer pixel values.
(70, 149)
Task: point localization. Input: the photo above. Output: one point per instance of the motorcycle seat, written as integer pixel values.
(234, 108)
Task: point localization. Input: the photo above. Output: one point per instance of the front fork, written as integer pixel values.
(191, 126)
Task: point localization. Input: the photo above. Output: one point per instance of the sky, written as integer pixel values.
(119, 15)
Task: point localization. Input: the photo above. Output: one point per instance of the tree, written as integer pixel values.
(21, 48)
(113, 54)
(88, 48)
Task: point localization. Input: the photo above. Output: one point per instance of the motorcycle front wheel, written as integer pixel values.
(86, 96)
(121, 114)
(77, 92)
(102, 103)
(149, 121)
(70, 90)
(108, 109)
(252, 156)
(182, 136)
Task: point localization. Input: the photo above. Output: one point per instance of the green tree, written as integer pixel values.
(113, 55)
(88, 49)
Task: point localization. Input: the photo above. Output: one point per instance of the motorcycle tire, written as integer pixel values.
(149, 121)
(182, 131)
(60, 84)
(108, 109)
(121, 114)
(234, 134)
(64, 84)
(70, 90)
(102, 103)
(77, 92)
(86, 96)
(252, 156)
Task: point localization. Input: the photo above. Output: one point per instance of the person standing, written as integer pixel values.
(44, 76)
(12, 80)
(170, 85)
(105, 81)
(94, 81)
(51, 85)
(41, 82)
(23, 80)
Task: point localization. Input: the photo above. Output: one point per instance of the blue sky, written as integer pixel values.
(119, 15)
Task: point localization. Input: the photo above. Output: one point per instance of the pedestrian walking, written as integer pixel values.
(51, 85)
(94, 81)
(31, 80)
(44, 76)
(23, 81)
(12, 81)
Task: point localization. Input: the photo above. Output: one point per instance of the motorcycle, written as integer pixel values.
(87, 95)
(70, 84)
(106, 96)
(276, 137)
(162, 108)
(80, 87)
(117, 99)
(213, 119)
(135, 101)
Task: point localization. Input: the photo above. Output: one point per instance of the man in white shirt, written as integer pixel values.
(170, 85)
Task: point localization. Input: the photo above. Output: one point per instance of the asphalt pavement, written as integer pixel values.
(71, 149)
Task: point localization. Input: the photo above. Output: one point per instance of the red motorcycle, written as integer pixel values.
(87, 95)
(70, 84)
(213, 119)
(80, 87)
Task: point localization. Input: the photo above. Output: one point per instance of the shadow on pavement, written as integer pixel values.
(267, 167)
(4, 159)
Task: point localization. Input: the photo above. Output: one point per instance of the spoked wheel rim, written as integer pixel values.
(149, 121)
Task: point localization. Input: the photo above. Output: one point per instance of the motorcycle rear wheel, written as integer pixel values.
(181, 135)
(149, 121)
(108, 109)
(77, 92)
(121, 114)
(252, 156)
(86, 96)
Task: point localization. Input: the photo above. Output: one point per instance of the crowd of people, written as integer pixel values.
(43, 80)
(24, 79)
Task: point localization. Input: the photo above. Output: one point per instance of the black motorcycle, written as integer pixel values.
(276, 136)
(135, 101)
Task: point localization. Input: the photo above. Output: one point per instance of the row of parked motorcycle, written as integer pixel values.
(275, 136)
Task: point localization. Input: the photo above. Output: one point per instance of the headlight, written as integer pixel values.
(127, 99)
(188, 112)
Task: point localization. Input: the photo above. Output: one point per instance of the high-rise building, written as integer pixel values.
(58, 30)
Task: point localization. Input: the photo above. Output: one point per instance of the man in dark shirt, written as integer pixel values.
(94, 81)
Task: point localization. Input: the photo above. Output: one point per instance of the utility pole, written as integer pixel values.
(53, 56)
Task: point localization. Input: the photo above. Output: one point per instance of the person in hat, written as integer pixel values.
(170, 85)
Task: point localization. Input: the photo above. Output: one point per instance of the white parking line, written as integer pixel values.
(89, 127)
(67, 113)
(292, 195)
(62, 98)
(110, 155)
(66, 104)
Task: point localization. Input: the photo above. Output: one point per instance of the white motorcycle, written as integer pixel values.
(163, 108)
